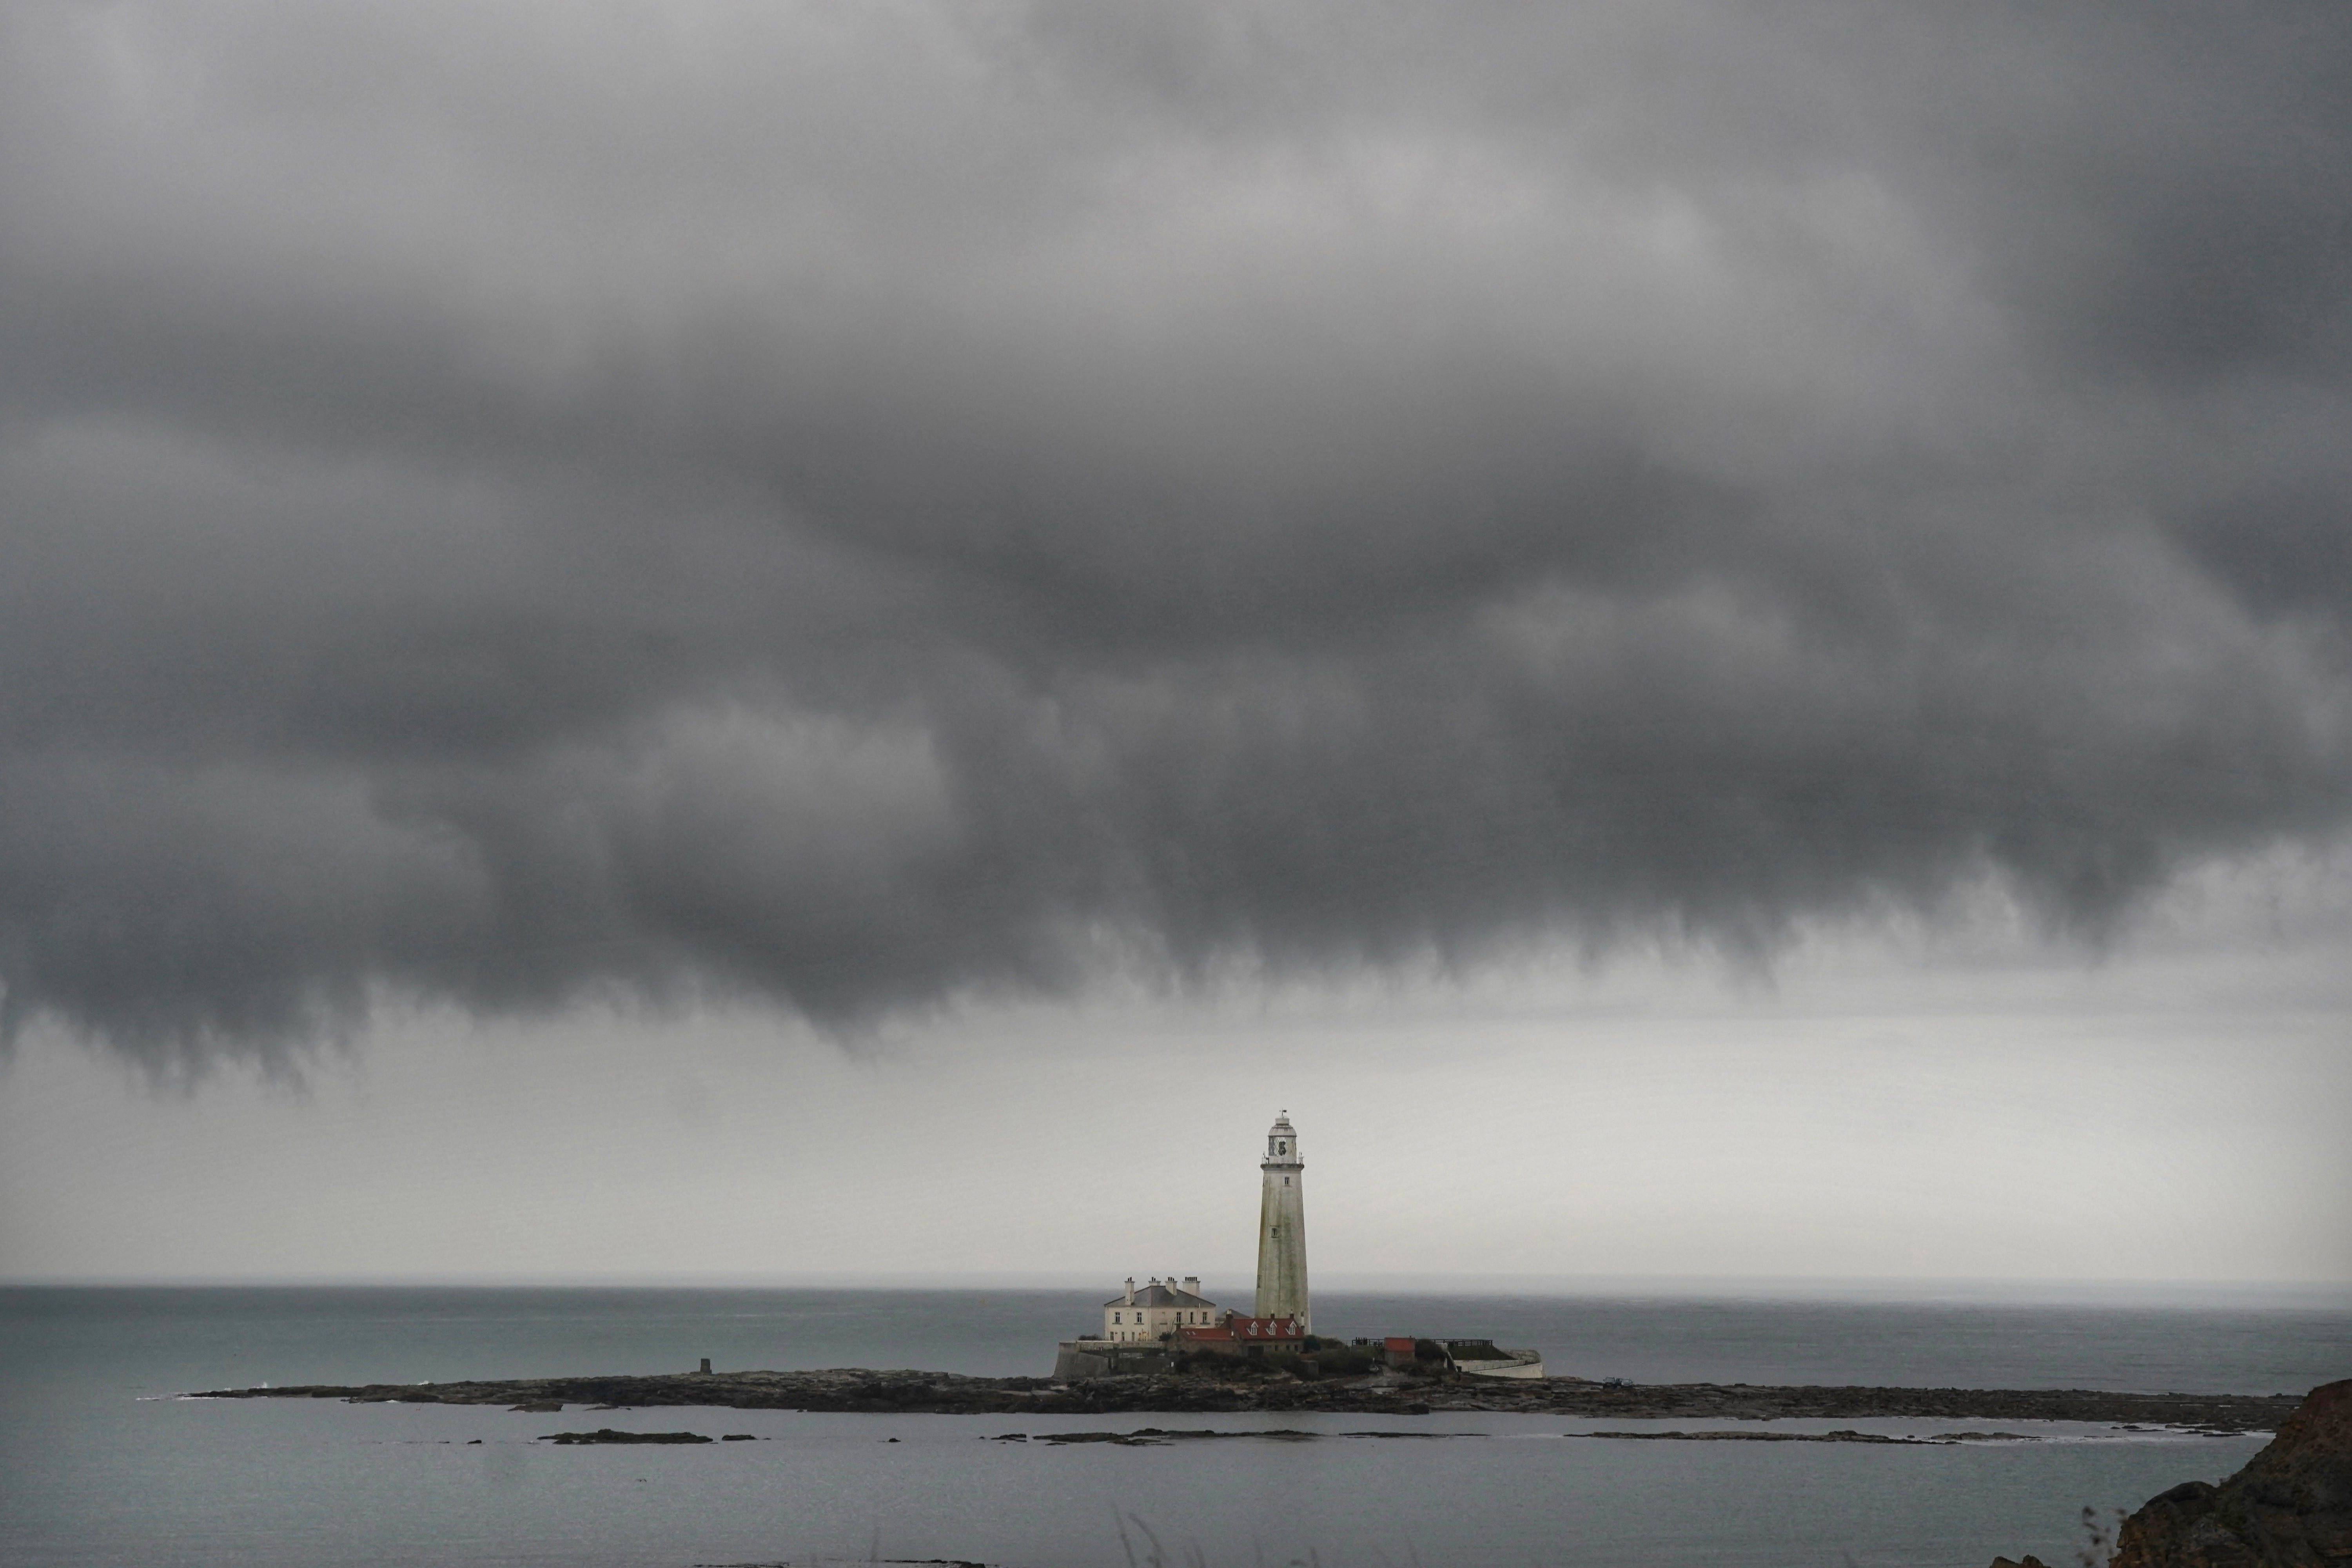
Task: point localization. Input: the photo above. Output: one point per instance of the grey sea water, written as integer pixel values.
(100, 1463)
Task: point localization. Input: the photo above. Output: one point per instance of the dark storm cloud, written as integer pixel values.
(862, 504)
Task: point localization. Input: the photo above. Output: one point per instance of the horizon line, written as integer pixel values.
(1981, 1289)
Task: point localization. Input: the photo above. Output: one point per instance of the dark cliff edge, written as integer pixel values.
(931, 1392)
(2291, 1507)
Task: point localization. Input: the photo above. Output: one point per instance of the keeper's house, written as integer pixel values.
(1145, 1327)
(1156, 1311)
(1233, 1334)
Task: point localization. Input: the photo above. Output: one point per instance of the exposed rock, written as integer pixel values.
(1154, 1436)
(1724, 1436)
(2031, 1562)
(2291, 1507)
(938, 1393)
(606, 1434)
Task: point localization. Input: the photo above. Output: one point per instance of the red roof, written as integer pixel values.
(1264, 1328)
(1234, 1327)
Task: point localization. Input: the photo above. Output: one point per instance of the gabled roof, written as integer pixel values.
(1160, 1296)
(1238, 1325)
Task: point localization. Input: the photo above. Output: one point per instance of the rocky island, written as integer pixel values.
(851, 1389)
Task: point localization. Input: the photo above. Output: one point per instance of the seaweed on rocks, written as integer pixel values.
(854, 1390)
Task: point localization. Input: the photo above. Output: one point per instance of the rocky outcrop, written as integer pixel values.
(1843, 1434)
(2291, 1507)
(909, 1393)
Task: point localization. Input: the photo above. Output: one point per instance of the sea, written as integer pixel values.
(104, 1459)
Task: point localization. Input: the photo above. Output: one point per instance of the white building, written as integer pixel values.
(1157, 1309)
(1282, 1229)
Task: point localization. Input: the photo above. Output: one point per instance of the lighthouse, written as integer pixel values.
(1282, 1228)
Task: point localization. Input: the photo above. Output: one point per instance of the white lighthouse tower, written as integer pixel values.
(1282, 1229)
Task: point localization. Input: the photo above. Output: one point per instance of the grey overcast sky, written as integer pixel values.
(850, 638)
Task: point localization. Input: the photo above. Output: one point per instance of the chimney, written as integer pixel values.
(1191, 1284)
(1130, 1290)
